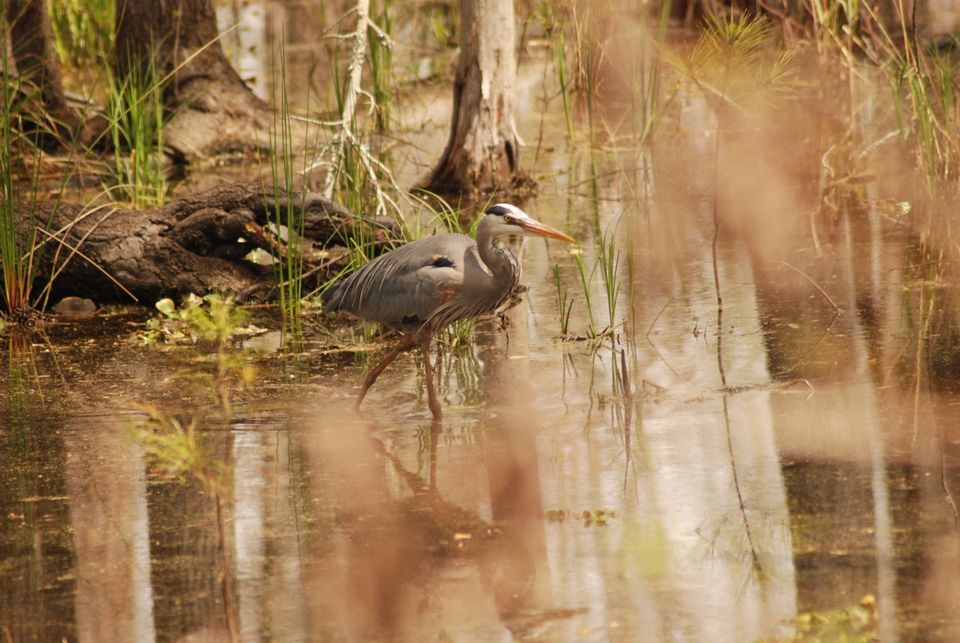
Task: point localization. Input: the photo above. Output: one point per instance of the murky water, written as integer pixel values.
(665, 482)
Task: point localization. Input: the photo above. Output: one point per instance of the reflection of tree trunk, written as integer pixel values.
(213, 110)
(108, 514)
(482, 152)
(37, 63)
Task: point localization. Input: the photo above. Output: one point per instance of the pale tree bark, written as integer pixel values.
(482, 152)
(213, 110)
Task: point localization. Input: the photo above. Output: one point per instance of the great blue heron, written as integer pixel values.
(425, 285)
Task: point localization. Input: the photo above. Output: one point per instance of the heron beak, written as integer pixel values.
(532, 226)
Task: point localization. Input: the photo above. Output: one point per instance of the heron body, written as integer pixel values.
(428, 284)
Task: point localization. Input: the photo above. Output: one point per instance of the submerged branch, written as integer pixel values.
(812, 283)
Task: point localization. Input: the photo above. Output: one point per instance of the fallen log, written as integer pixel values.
(197, 244)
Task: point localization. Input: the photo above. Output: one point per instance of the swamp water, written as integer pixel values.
(664, 482)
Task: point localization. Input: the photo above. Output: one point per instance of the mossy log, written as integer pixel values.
(197, 244)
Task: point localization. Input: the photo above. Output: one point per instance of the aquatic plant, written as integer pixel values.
(215, 319)
(220, 321)
(561, 47)
(353, 174)
(608, 265)
(443, 217)
(646, 76)
(17, 280)
(444, 21)
(925, 96)
(582, 46)
(135, 120)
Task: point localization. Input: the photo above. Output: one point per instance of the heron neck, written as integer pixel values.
(501, 261)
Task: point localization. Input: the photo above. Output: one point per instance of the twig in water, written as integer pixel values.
(812, 283)
(657, 318)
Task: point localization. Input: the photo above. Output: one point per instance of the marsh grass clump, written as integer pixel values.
(925, 92)
(608, 263)
(586, 278)
(19, 200)
(135, 120)
(579, 40)
(287, 219)
(439, 216)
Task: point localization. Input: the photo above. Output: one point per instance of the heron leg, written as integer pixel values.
(405, 342)
(424, 339)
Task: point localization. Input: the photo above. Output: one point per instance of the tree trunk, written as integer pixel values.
(213, 110)
(482, 152)
(190, 246)
(37, 64)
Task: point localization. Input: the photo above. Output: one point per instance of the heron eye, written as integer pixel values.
(507, 218)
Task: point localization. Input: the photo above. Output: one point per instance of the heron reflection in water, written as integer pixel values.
(428, 284)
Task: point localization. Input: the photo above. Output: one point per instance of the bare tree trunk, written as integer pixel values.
(214, 111)
(37, 63)
(482, 152)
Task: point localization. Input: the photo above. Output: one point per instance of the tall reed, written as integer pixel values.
(645, 71)
(564, 302)
(20, 244)
(609, 265)
(16, 293)
(381, 66)
(285, 216)
(585, 280)
(561, 46)
(135, 119)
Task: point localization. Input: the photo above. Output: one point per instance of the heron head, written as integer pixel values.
(509, 219)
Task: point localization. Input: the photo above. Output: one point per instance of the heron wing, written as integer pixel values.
(406, 285)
